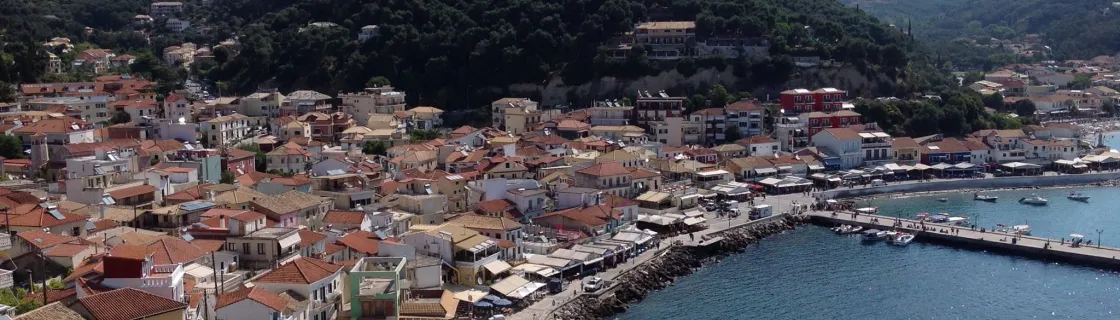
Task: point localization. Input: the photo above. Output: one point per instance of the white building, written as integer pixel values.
(92, 109)
(176, 106)
(225, 130)
(307, 279)
(253, 303)
(379, 100)
(844, 143)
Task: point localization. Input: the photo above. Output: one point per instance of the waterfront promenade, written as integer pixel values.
(543, 309)
(969, 238)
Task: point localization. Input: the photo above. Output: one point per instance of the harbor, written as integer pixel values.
(1008, 242)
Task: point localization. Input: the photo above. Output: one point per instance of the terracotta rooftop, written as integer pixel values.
(52, 311)
(128, 304)
(353, 218)
(257, 294)
(131, 191)
(361, 241)
(592, 215)
(605, 170)
(308, 238)
(300, 271)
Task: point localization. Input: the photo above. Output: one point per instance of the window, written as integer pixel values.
(245, 248)
(231, 247)
(260, 248)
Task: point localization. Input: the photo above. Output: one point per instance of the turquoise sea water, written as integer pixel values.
(812, 273)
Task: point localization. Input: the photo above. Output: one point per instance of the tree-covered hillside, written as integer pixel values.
(457, 54)
(1073, 29)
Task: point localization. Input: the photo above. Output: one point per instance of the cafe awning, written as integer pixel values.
(693, 221)
(765, 170)
(537, 269)
(508, 285)
(816, 167)
(496, 266)
(653, 196)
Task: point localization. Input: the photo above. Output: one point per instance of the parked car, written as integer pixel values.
(592, 284)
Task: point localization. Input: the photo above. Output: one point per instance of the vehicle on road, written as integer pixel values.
(592, 284)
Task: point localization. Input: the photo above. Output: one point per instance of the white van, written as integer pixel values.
(878, 182)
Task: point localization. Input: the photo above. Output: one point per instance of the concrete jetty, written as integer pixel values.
(989, 240)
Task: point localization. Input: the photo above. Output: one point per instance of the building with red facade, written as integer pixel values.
(817, 121)
(820, 100)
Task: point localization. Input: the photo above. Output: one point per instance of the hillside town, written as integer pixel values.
(304, 205)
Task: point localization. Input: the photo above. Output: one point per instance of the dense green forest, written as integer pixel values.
(458, 54)
(1073, 29)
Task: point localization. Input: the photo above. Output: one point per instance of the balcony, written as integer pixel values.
(5, 279)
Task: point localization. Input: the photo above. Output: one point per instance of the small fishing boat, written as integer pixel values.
(986, 198)
(903, 239)
(854, 229)
(842, 229)
(1077, 196)
(874, 235)
(1034, 199)
(1022, 229)
(943, 199)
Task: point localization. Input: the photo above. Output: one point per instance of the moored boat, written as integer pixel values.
(943, 199)
(980, 197)
(854, 229)
(1034, 199)
(874, 235)
(1077, 196)
(903, 239)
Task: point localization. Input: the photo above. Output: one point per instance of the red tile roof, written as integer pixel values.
(169, 250)
(300, 271)
(592, 216)
(43, 240)
(131, 191)
(495, 206)
(745, 105)
(190, 194)
(643, 173)
(33, 215)
(58, 125)
(209, 245)
(605, 169)
(130, 251)
(361, 241)
(128, 304)
(308, 238)
(262, 296)
(353, 218)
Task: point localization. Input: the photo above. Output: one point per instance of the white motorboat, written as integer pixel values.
(1034, 199)
(1077, 196)
(1022, 229)
(903, 239)
(854, 229)
(874, 235)
(842, 229)
(986, 198)
(943, 199)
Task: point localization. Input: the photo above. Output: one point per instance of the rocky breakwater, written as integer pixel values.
(662, 271)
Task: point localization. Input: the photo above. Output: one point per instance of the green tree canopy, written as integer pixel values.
(718, 96)
(374, 148)
(377, 81)
(1025, 108)
(11, 147)
(732, 134)
(120, 117)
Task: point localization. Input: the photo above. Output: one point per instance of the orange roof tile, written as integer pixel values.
(131, 191)
(128, 304)
(300, 271)
(262, 296)
(605, 169)
(352, 218)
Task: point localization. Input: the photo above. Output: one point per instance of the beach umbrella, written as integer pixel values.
(483, 304)
(1076, 236)
(503, 303)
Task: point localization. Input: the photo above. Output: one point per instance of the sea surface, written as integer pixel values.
(812, 273)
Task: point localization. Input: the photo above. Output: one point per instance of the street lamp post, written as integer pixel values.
(1099, 231)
